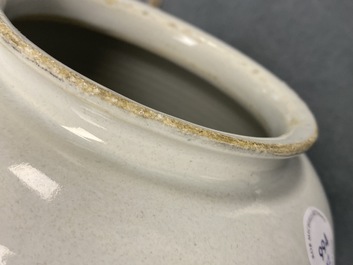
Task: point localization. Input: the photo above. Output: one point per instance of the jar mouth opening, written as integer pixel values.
(291, 120)
(139, 75)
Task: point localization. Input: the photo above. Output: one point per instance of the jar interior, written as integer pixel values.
(139, 75)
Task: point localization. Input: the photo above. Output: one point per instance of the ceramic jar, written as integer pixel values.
(196, 159)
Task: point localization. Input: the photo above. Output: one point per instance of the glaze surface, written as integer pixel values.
(89, 176)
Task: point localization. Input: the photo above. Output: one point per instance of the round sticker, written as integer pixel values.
(318, 238)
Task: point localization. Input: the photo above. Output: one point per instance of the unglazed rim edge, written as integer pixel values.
(83, 84)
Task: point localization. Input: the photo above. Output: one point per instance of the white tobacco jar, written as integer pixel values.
(142, 140)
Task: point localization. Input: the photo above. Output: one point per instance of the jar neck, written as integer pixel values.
(287, 119)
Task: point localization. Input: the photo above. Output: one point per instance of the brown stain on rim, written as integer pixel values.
(82, 84)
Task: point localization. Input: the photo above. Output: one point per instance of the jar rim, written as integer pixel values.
(300, 127)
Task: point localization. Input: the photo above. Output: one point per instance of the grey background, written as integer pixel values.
(308, 44)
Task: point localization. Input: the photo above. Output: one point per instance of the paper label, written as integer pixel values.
(318, 238)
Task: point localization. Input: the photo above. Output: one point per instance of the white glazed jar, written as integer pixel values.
(89, 176)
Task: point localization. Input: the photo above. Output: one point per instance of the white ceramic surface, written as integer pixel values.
(91, 177)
